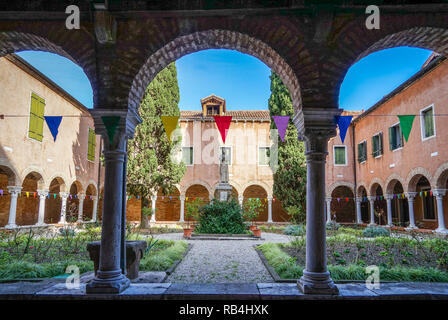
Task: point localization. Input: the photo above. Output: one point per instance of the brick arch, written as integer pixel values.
(415, 175)
(360, 188)
(441, 176)
(61, 180)
(38, 172)
(184, 189)
(354, 41)
(391, 181)
(375, 182)
(332, 187)
(76, 45)
(212, 39)
(343, 210)
(78, 183)
(264, 185)
(258, 191)
(11, 173)
(53, 203)
(168, 209)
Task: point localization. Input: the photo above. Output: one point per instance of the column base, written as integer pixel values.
(441, 230)
(108, 282)
(410, 228)
(372, 224)
(10, 226)
(317, 283)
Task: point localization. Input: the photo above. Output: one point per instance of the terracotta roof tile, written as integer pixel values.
(260, 115)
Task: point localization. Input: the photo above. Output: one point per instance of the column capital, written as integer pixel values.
(411, 195)
(154, 198)
(129, 119)
(328, 199)
(371, 198)
(182, 198)
(439, 193)
(64, 195)
(81, 196)
(358, 199)
(388, 196)
(42, 193)
(270, 198)
(14, 190)
(241, 198)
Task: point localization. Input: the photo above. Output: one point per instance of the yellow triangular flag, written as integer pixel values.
(169, 123)
(27, 194)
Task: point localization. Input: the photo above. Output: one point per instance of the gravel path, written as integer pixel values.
(218, 261)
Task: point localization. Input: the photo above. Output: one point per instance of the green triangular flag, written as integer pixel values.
(111, 124)
(169, 123)
(406, 125)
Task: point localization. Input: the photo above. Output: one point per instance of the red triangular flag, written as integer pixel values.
(223, 124)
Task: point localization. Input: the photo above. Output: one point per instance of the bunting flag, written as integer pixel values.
(339, 199)
(343, 123)
(54, 195)
(223, 124)
(27, 194)
(169, 123)
(111, 124)
(1, 192)
(282, 124)
(34, 194)
(53, 123)
(406, 125)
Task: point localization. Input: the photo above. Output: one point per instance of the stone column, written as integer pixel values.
(14, 193)
(358, 210)
(372, 210)
(270, 210)
(328, 207)
(153, 208)
(42, 195)
(182, 207)
(240, 200)
(64, 196)
(439, 193)
(109, 277)
(389, 198)
(95, 208)
(316, 126)
(81, 197)
(411, 197)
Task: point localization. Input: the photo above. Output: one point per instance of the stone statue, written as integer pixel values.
(223, 168)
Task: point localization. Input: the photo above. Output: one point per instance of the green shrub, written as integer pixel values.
(252, 208)
(375, 231)
(297, 215)
(163, 255)
(221, 217)
(294, 230)
(332, 225)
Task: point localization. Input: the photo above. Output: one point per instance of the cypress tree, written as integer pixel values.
(290, 177)
(150, 165)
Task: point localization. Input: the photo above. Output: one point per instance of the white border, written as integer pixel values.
(334, 155)
(422, 122)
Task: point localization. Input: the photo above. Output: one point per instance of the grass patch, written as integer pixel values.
(163, 255)
(287, 267)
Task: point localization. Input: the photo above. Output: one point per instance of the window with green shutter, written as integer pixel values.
(339, 155)
(91, 147)
(187, 155)
(362, 151)
(428, 123)
(37, 111)
(377, 145)
(395, 137)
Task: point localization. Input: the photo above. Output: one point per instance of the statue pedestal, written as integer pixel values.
(224, 191)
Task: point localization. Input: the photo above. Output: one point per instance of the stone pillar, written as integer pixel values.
(64, 196)
(182, 207)
(153, 208)
(316, 126)
(389, 198)
(42, 195)
(411, 197)
(372, 210)
(270, 210)
(109, 277)
(240, 200)
(358, 210)
(81, 197)
(14, 193)
(439, 193)
(95, 208)
(328, 207)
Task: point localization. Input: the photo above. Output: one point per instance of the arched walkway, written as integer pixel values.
(73, 201)
(168, 206)
(89, 203)
(53, 203)
(343, 205)
(7, 178)
(364, 204)
(28, 203)
(256, 191)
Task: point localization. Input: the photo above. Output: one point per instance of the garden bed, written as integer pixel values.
(24, 256)
(398, 259)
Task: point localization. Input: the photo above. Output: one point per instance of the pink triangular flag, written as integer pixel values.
(223, 124)
(282, 124)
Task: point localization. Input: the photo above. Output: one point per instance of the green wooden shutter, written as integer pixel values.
(380, 138)
(359, 152)
(429, 123)
(391, 138)
(91, 145)
(37, 111)
(374, 147)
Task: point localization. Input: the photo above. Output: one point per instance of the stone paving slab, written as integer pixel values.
(216, 291)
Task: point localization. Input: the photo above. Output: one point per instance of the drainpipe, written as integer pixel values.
(354, 162)
(123, 215)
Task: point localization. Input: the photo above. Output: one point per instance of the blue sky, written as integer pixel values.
(244, 80)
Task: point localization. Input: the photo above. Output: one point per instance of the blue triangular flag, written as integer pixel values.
(53, 123)
(343, 124)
